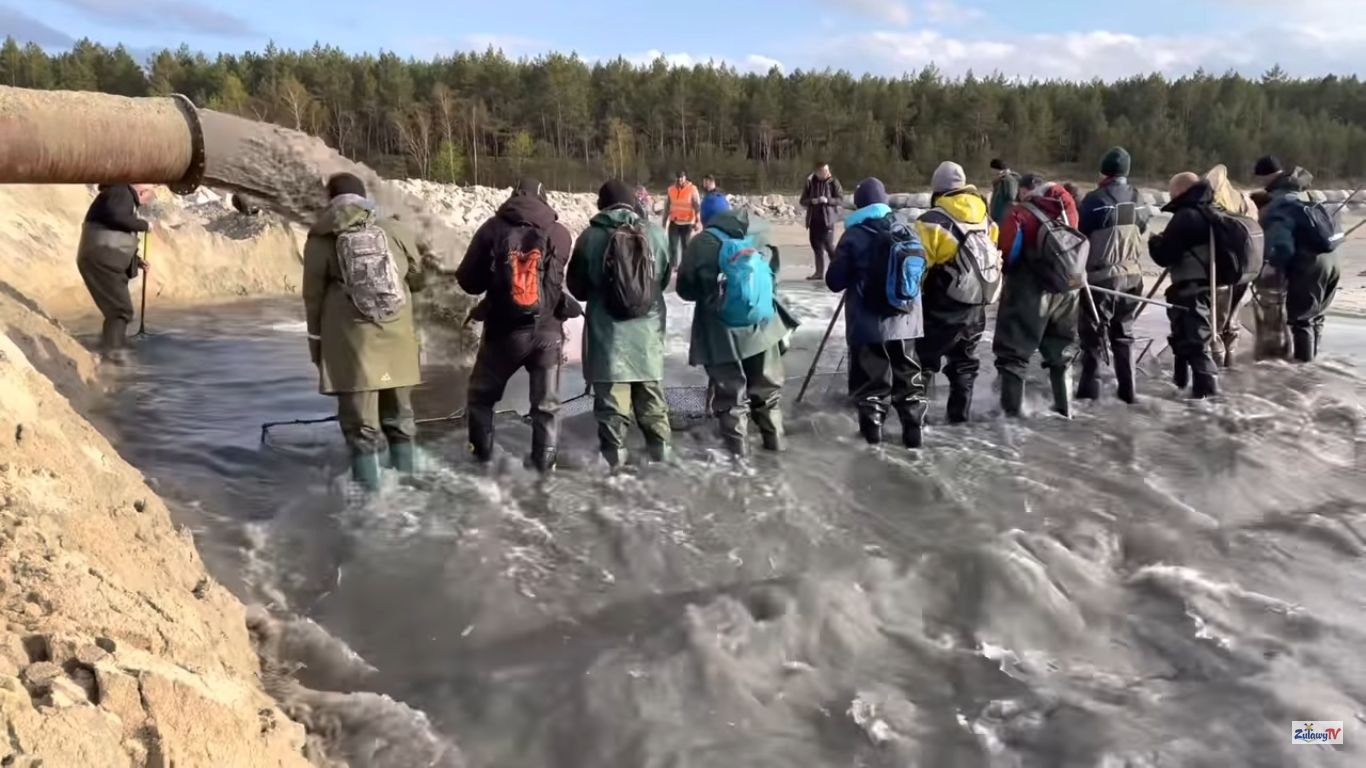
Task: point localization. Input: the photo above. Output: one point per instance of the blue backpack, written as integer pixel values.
(746, 284)
(892, 285)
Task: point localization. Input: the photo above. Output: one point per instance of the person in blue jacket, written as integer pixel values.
(884, 368)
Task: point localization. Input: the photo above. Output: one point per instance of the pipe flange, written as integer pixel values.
(198, 154)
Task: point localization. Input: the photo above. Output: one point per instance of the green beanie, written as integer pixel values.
(1115, 163)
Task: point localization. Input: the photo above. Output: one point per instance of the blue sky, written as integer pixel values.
(1066, 39)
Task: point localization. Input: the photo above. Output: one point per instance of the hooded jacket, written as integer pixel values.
(1020, 230)
(939, 227)
(822, 216)
(1183, 247)
(1003, 193)
(615, 350)
(852, 270)
(1283, 217)
(713, 342)
(526, 207)
(109, 235)
(1115, 221)
(358, 355)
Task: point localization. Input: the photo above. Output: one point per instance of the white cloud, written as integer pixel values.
(509, 44)
(949, 12)
(891, 11)
(763, 63)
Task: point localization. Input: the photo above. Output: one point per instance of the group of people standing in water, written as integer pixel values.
(1066, 275)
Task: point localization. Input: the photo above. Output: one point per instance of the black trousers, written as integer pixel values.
(823, 246)
(1311, 285)
(950, 343)
(679, 236)
(1113, 319)
(1191, 331)
(499, 358)
(886, 374)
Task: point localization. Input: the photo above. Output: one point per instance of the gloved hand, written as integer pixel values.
(315, 351)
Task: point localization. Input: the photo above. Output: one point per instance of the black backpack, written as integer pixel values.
(1323, 233)
(1060, 255)
(630, 272)
(518, 290)
(1239, 248)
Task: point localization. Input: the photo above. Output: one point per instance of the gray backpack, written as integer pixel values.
(369, 274)
(975, 272)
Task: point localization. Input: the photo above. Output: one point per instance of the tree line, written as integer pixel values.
(486, 118)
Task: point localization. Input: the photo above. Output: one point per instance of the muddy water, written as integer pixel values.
(1164, 585)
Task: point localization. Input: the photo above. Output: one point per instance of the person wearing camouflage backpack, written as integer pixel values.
(620, 269)
(359, 274)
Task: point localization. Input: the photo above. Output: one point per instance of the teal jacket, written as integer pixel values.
(713, 342)
(1283, 218)
(617, 351)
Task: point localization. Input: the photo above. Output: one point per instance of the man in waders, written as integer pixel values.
(517, 260)
(963, 278)
(1004, 190)
(681, 217)
(359, 275)
(1045, 264)
(1301, 239)
(823, 197)
(1112, 220)
(107, 259)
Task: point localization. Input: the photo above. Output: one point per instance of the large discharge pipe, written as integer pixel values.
(68, 137)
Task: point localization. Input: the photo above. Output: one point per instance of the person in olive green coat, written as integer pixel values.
(369, 366)
(623, 360)
(744, 365)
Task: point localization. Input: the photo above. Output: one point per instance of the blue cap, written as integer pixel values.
(713, 204)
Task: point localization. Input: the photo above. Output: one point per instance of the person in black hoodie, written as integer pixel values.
(518, 258)
(1183, 248)
(107, 258)
(823, 197)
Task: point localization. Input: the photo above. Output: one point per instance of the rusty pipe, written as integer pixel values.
(70, 137)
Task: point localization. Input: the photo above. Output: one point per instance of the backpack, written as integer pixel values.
(1238, 248)
(746, 282)
(630, 272)
(1324, 233)
(369, 274)
(519, 274)
(975, 272)
(892, 283)
(1060, 254)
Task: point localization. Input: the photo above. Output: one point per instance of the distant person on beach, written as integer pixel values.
(738, 331)
(1301, 246)
(517, 261)
(620, 269)
(1039, 301)
(823, 197)
(645, 203)
(1004, 189)
(963, 278)
(878, 265)
(1183, 249)
(1113, 219)
(359, 275)
(681, 217)
(107, 259)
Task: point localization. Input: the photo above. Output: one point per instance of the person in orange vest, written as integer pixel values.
(681, 217)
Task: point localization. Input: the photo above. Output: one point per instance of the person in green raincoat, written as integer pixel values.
(370, 366)
(623, 359)
(744, 365)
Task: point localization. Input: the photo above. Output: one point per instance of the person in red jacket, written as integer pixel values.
(1030, 318)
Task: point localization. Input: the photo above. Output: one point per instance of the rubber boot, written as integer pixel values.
(481, 444)
(1124, 375)
(1181, 374)
(870, 426)
(737, 446)
(912, 425)
(365, 471)
(658, 452)
(114, 341)
(770, 424)
(616, 458)
(1205, 385)
(1303, 339)
(543, 460)
(401, 457)
(1061, 379)
(1088, 387)
(1230, 345)
(960, 405)
(1012, 394)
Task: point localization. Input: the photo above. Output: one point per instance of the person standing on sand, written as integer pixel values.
(620, 269)
(108, 260)
(884, 369)
(743, 360)
(682, 216)
(822, 196)
(518, 259)
(1308, 263)
(359, 275)
(1183, 248)
(963, 278)
(1111, 217)
(1004, 190)
(1032, 318)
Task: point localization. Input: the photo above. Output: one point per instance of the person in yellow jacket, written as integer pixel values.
(963, 277)
(682, 216)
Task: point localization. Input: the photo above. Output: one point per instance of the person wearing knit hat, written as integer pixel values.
(623, 335)
(713, 204)
(1302, 252)
(1004, 190)
(1114, 220)
(963, 278)
(883, 370)
(1266, 169)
